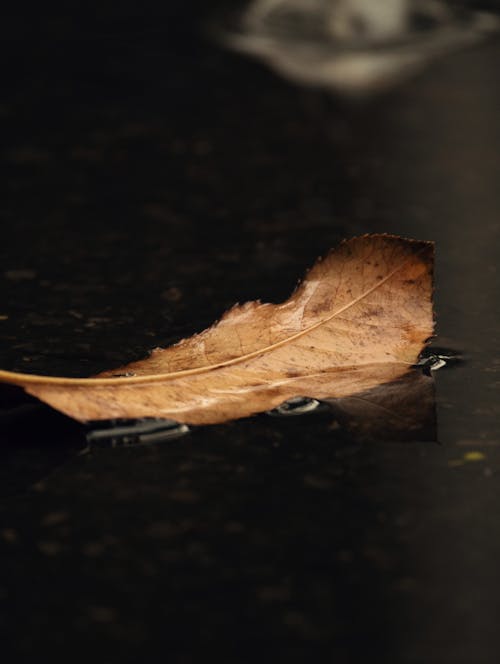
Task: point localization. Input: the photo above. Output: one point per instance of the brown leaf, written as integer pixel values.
(359, 319)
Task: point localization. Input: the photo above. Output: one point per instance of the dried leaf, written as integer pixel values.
(359, 319)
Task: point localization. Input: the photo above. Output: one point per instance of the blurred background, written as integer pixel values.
(161, 162)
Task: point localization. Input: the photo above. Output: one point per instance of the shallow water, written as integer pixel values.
(154, 180)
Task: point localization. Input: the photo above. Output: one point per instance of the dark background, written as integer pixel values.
(152, 179)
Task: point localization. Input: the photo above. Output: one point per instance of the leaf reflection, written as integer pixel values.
(403, 410)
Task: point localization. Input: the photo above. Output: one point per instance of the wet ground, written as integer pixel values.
(151, 180)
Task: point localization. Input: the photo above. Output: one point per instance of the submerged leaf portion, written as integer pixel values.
(359, 319)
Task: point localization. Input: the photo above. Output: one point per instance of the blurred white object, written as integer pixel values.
(355, 47)
(382, 19)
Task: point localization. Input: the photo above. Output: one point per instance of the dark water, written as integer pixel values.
(152, 180)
